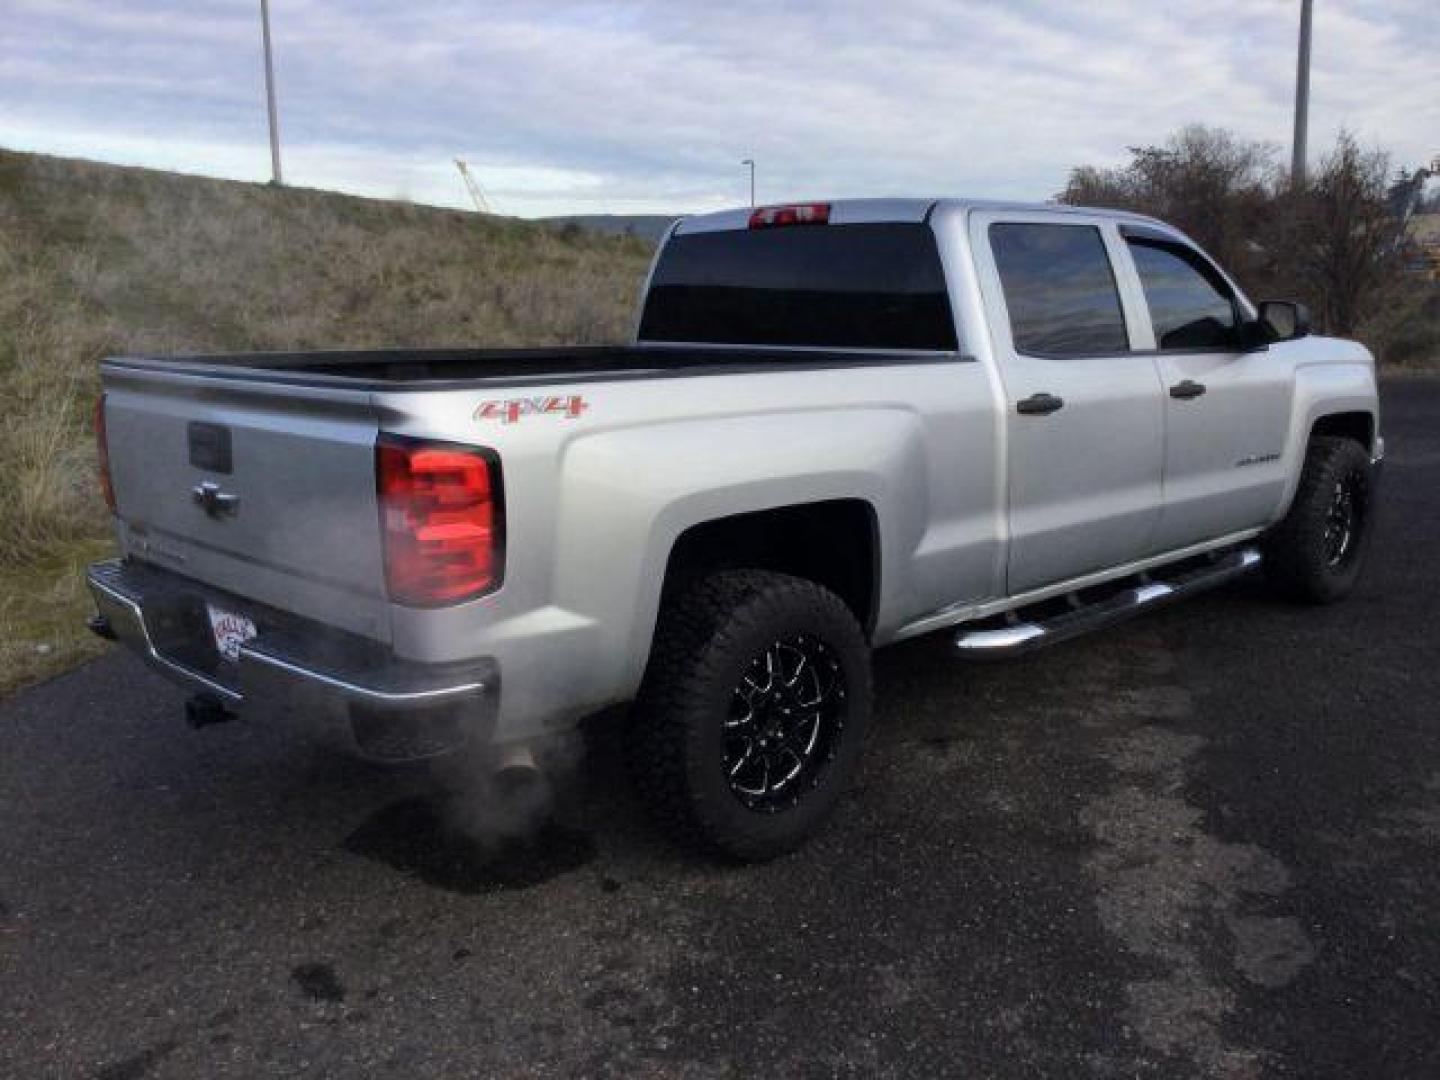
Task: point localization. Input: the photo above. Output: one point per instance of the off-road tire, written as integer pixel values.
(682, 739)
(1301, 558)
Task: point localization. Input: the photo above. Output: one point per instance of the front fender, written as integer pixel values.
(1344, 382)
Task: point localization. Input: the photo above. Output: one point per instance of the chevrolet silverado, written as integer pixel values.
(840, 425)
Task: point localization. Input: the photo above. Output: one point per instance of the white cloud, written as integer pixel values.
(650, 105)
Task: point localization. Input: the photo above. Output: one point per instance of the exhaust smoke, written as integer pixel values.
(490, 825)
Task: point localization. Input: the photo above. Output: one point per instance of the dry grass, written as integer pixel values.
(43, 608)
(1405, 333)
(97, 260)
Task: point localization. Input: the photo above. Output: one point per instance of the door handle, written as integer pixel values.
(1186, 390)
(1039, 404)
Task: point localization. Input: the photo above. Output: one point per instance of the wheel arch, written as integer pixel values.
(1336, 398)
(1356, 424)
(833, 542)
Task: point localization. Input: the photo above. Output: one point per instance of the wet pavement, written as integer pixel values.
(1206, 843)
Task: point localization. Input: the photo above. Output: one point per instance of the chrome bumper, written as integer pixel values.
(156, 613)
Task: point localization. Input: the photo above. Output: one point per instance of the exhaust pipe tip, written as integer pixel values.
(517, 762)
(517, 774)
(522, 802)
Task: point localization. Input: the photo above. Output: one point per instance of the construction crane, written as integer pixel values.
(482, 206)
(1408, 192)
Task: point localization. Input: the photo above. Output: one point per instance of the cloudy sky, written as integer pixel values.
(626, 106)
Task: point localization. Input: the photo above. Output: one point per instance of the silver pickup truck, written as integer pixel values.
(840, 425)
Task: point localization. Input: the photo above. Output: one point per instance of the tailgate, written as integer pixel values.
(290, 517)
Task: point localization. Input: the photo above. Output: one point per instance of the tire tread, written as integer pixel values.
(687, 656)
(1294, 560)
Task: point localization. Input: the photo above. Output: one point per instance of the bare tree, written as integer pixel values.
(1204, 180)
(1332, 241)
(1336, 239)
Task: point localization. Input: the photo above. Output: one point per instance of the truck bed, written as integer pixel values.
(436, 369)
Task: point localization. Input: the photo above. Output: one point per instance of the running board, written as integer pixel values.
(1019, 635)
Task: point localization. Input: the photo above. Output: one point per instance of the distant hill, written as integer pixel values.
(98, 259)
(648, 227)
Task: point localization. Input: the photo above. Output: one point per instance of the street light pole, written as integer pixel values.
(275, 177)
(751, 162)
(1302, 97)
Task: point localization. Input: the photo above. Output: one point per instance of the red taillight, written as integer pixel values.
(102, 451)
(442, 519)
(772, 217)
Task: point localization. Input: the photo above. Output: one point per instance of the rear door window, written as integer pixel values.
(864, 286)
(1191, 307)
(1059, 288)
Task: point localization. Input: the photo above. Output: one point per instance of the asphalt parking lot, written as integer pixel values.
(1206, 843)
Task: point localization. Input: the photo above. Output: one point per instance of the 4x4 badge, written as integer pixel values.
(512, 410)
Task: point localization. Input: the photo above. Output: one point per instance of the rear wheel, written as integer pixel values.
(753, 712)
(1316, 552)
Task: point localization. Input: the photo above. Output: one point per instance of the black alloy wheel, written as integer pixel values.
(786, 716)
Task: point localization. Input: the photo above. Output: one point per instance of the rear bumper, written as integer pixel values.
(393, 709)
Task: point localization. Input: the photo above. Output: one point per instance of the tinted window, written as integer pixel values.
(1059, 288)
(843, 286)
(1189, 304)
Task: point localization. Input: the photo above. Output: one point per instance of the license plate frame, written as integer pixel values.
(230, 630)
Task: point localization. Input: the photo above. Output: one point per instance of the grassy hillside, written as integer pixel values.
(648, 227)
(96, 260)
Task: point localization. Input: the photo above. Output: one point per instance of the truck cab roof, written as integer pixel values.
(877, 210)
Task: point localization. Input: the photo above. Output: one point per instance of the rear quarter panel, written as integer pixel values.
(595, 503)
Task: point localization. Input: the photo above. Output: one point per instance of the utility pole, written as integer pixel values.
(1302, 97)
(751, 162)
(275, 177)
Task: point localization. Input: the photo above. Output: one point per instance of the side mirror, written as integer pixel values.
(1283, 320)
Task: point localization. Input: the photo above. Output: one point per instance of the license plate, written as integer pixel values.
(230, 630)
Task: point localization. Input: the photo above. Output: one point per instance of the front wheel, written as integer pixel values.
(752, 714)
(1315, 553)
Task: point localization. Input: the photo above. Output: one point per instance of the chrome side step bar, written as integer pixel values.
(1019, 635)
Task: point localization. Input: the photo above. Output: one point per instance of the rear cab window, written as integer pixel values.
(1060, 289)
(875, 286)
